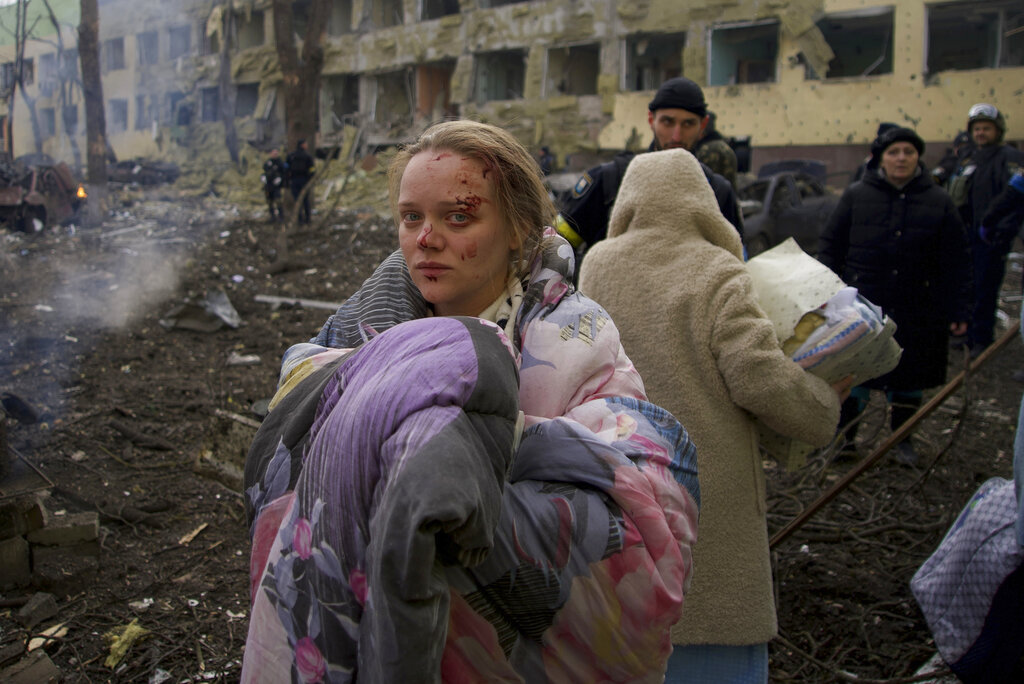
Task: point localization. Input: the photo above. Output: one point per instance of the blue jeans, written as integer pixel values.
(714, 664)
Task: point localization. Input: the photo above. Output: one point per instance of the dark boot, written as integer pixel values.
(849, 421)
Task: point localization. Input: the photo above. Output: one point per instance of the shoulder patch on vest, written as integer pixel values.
(582, 185)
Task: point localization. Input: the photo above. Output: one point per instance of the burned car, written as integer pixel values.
(788, 199)
(36, 195)
(142, 172)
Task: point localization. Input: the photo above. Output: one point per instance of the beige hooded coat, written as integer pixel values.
(671, 275)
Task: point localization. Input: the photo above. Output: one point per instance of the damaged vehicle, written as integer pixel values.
(142, 172)
(787, 200)
(36, 195)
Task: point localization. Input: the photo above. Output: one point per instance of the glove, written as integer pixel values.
(987, 235)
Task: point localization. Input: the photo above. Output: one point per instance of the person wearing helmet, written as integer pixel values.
(981, 175)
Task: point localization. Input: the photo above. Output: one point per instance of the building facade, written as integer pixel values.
(802, 78)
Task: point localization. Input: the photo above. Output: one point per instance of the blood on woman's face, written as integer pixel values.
(452, 235)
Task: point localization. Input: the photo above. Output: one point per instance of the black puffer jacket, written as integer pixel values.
(905, 250)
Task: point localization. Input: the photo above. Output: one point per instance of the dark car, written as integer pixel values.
(785, 203)
(34, 196)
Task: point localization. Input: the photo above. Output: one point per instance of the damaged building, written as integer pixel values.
(801, 78)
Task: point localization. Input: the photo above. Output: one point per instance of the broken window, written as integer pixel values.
(145, 114)
(7, 77)
(484, 4)
(146, 44)
(210, 104)
(208, 44)
(179, 112)
(47, 74)
(117, 115)
(69, 64)
(435, 9)
(246, 97)
(652, 59)
(500, 75)
(69, 117)
(433, 91)
(393, 104)
(28, 71)
(113, 54)
(339, 98)
(340, 20)
(248, 30)
(179, 41)
(974, 35)
(861, 41)
(386, 13)
(573, 70)
(743, 53)
(47, 122)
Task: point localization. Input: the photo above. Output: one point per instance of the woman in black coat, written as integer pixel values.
(898, 239)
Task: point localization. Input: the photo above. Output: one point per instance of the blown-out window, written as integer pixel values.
(744, 53)
(861, 42)
(975, 35)
(573, 70)
(500, 75)
(652, 59)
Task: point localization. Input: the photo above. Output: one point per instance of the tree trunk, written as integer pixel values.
(63, 96)
(300, 72)
(227, 88)
(95, 121)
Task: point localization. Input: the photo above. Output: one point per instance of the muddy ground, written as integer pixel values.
(145, 419)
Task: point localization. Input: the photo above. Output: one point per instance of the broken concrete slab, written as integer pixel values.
(35, 668)
(40, 607)
(68, 529)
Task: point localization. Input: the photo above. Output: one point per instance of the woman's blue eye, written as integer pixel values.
(459, 218)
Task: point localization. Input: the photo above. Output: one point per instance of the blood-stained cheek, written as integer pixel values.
(470, 251)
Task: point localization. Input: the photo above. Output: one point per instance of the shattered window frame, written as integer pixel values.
(578, 65)
(335, 89)
(147, 44)
(743, 53)
(179, 41)
(113, 54)
(209, 104)
(145, 114)
(247, 96)
(7, 77)
(48, 74)
(47, 122)
(69, 119)
(384, 13)
(435, 9)
(339, 21)
(117, 115)
(250, 30)
(846, 33)
(962, 36)
(28, 71)
(499, 70)
(398, 109)
(651, 59)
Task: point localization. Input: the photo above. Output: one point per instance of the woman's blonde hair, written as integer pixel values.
(521, 198)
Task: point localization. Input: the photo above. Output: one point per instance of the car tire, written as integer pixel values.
(757, 244)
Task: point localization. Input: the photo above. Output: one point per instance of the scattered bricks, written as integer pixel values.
(68, 529)
(35, 668)
(40, 607)
(36, 515)
(22, 515)
(15, 565)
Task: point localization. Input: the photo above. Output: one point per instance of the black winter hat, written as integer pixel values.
(894, 135)
(680, 93)
(884, 127)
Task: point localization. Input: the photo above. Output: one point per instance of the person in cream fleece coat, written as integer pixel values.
(671, 273)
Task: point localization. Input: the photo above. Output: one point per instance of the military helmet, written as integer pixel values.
(986, 112)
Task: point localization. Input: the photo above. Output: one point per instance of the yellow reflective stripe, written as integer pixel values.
(566, 231)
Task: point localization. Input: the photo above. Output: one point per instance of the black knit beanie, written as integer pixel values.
(894, 135)
(680, 93)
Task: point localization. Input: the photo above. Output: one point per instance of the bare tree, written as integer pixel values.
(300, 71)
(66, 86)
(21, 72)
(226, 86)
(95, 121)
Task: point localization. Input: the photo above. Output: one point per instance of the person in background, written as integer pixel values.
(713, 151)
(274, 172)
(300, 171)
(677, 116)
(672, 270)
(983, 172)
(882, 128)
(898, 239)
(546, 160)
(951, 159)
(413, 535)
